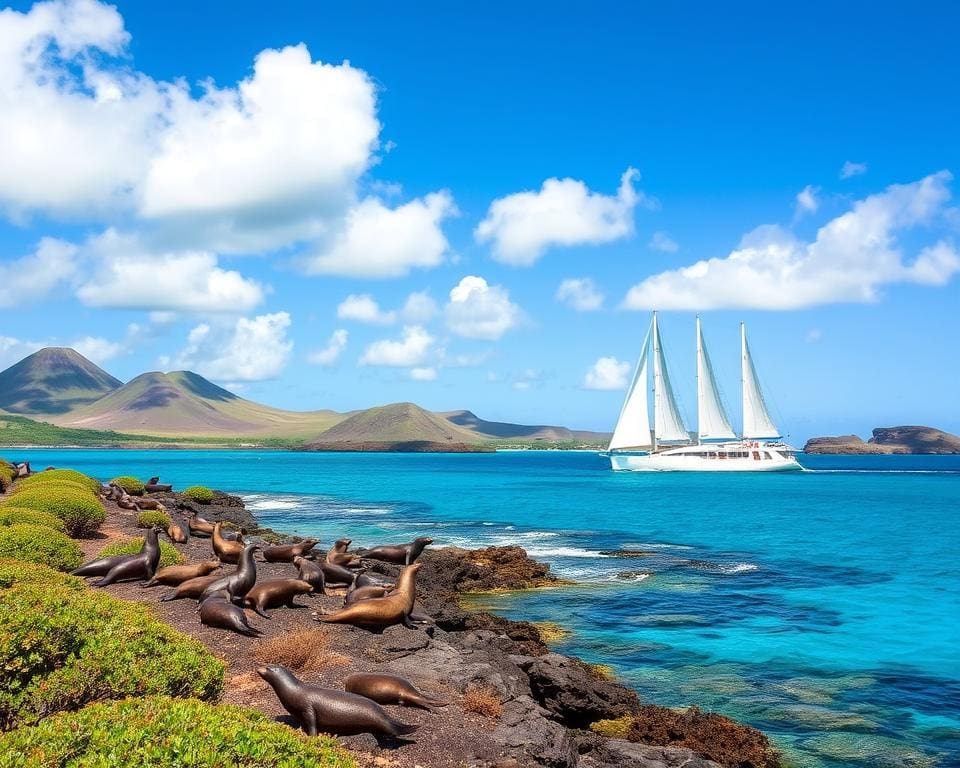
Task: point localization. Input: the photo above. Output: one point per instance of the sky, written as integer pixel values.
(340, 205)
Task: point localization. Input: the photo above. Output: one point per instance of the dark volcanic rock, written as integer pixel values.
(898, 440)
(599, 752)
(455, 571)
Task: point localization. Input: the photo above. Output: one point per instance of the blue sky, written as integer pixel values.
(183, 189)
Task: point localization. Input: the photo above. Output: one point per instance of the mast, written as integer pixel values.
(656, 378)
(699, 395)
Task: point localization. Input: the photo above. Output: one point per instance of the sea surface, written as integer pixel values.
(822, 607)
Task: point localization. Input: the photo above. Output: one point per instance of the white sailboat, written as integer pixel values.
(669, 447)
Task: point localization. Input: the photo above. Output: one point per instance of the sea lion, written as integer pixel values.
(284, 553)
(311, 573)
(215, 611)
(389, 689)
(401, 554)
(146, 503)
(382, 612)
(177, 532)
(227, 551)
(319, 709)
(199, 526)
(338, 554)
(274, 593)
(139, 566)
(191, 588)
(153, 485)
(173, 575)
(241, 581)
(99, 567)
(364, 593)
(23, 469)
(126, 502)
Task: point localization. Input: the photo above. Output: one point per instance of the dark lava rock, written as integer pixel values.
(453, 571)
(599, 752)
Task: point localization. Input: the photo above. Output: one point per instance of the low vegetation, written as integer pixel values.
(7, 473)
(80, 511)
(159, 731)
(68, 485)
(131, 485)
(169, 554)
(19, 572)
(303, 650)
(151, 517)
(199, 493)
(70, 475)
(10, 515)
(39, 544)
(482, 700)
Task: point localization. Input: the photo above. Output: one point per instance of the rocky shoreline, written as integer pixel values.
(888, 441)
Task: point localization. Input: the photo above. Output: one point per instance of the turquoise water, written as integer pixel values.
(822, 607)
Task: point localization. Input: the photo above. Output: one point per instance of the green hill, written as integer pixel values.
(53, 381)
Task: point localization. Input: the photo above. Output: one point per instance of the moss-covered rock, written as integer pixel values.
(62, 474)
(62, 647)
(81, 512)
(169, 555)
(159, 731)
(131, 485)
(39, 544)
(199, 493)
(12, 515)
(151, 517)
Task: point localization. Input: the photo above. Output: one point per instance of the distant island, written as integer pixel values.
(57, 397)
(889, 440)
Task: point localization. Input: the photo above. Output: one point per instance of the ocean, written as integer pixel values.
(822, 607)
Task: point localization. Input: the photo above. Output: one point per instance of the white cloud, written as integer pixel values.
(34, 276)
(423, 374)
(477, 310)
(250, 350)
(364, 309)
(99, 349)
(419, 308)
(807, 201)
(661, 241)
(528, 379)
(606, 374)
(580, 293)
(563, 212)
(379, 242)
(813, 336)
(852, 169)
(852, 257)
(331, 353)
(13, 350)
(410, 350)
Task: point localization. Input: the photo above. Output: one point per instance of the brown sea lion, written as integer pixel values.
(338, 554)
(139, 566)
(325, 710)
(177, 532)
(311, 572)
(241, 581)
(284, 553)
(191, 588)
(227, 551)
(199, 526)
(389, 689)
(382, 612)
(401, 554)
(173, 575)
(23, 470)
(126, 502)
(153, 485)
(274, 593)
(145, 503)
(363, 593)
(100, 567)
(215, 611)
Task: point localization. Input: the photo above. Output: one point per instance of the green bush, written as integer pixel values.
(130, 484)
(81, 513)
(151, 517)
(159, 731)
(39, 544)
(63, 474)
(62, 648)
(7, 473)
(50, 485)
(21, 572)
(12, 515)
(169, 555)
(199, 493)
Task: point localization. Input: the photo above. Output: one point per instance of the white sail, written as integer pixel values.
(668, 426)
(712, 421)
(633, 426)
(757, 424)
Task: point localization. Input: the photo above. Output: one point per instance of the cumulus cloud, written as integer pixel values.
(98, 349)
(606, 374)
(331, 353)
(34, 276)
(423, 374)
(851, 259)
(661, 241)
(807, 201)
(580, 293)
(852, 169)
(528, 379)
(364, 309)
(410, 350)
(249, 350)
(13, 350)
(378, 242)
(477, 310)
(562, 212)
(419, 308)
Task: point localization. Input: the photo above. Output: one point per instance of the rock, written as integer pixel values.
(529, 734)
(598, 752)
(398, 641)
(452, 571)
(900, 440)
(573, 694)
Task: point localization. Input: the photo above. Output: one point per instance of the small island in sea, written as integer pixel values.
(889, 440)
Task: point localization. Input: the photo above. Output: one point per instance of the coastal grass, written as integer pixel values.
(482, 700)
(20, 572)
(199, 493)
(303, 650)
(131, 485)
(616, 728)
(151, 517)
(71, 475)
(39, 544)
(169, 554)
(49, 485)
(81, 512)
(13, 515)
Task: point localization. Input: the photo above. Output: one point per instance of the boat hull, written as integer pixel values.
(760, 458)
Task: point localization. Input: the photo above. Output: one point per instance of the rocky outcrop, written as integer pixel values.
(888, 440)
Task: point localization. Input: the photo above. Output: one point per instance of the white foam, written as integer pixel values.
(274, 504)
(565, 552)
(739, 568)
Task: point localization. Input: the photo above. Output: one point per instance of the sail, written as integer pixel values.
(757, 424)
(668, 426)
(712, 421)
(633, 426)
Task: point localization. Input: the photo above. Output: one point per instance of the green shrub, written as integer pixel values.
(39, 544)
(62, 648)
(199, 493)
(169, 555)
(151, 517)
(130, 484)
(7, 473)
(20, 572)
(63, 474)
(159, 731)
(10, 515)
(81, 513)
(50, 485)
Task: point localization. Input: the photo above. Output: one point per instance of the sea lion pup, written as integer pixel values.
(389, 689)
(382, 612)
(139, 566)
(173, 575)
(217, 611)
(338, 554)
(284, 553)
(191, 588)
(274, 593)
(356, 594)
(177, 532)
(319, 709)
(311, 573)
(401, 554)
(199, 526)
(226, 551)
(241, 581)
